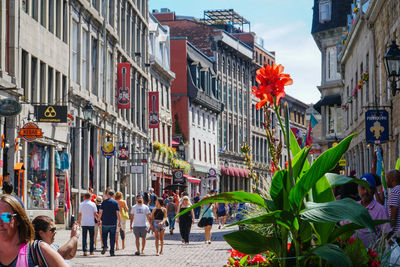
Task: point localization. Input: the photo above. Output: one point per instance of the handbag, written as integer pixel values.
(202, 221)
(124, 214)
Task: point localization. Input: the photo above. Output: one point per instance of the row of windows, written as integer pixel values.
(55, 20)
(37, 74)
(203, 79)
(234, 68)
(164, 92)
(260, 149)
(261, 59)
(234, 99)
(205, 151)
(203, 120)
(236, 134)
(162, 134)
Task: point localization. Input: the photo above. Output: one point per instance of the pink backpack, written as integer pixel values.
(22, 260)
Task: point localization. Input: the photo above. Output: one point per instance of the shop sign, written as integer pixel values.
(178, 177)
(123, 152)
(154, 176)
(377, 126)
(9, 107)
(342, 162)
(153, 110)
(124, 85)
(108, 149)
(123, 163)
(56, 114)
(137, 169)
(212, 173)
(30, 132)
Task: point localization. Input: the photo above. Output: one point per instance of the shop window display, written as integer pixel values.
(38, 175)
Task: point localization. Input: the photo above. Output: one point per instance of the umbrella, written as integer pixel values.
(175, 187)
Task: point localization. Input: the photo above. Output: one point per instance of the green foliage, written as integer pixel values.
(333, 254)
(250, 242)
(357, 253)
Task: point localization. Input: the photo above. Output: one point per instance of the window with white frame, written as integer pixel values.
(75, 51)
(85, 49)
(109, 78)
(324, 11)
(101, 71)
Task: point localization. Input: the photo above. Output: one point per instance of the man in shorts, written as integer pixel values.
(139, 213)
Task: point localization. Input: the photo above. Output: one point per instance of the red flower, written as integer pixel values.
(272, 84)
(351, 240)
(236, 254)
(375, 263)
(257, 259)
(237, 264)
(288, 246)
(372, 253)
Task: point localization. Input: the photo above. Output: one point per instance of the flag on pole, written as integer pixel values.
(313, 120)
(67, 195)
(56, 195)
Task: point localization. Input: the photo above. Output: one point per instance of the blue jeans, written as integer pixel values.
(104, 235)
(85, 230)
(171, 222)
(197, 212)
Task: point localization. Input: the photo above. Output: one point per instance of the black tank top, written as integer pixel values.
(158, 214)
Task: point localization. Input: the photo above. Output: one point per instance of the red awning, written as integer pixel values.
(174, 143)
(192, 179)
(234, 171)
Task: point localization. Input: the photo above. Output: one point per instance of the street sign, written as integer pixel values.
(212, 173)
(377, 126)
(137, 169)
(9, 107)
(51, 114)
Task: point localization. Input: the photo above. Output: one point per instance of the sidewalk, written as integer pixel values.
(197, 253)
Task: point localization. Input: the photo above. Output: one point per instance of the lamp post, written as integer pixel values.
(88, 112)
(392, 65)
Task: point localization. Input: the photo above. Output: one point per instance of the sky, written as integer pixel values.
(285, 26)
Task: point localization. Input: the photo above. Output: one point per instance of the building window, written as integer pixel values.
(50, 87)
(199, 150)
(94, 66)
(198, 117)
(324, 11)
(109, 79)
(230, 98)
(51, 16)
(209, 152)
(193, 116)
(101, 71)
(34, 78)
(204, 120)
(205, 151)
(194, 148)
(38, 175)
(85, 48)
(215, 159)
(75, 51)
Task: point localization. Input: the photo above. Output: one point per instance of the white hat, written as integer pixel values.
(151, 189)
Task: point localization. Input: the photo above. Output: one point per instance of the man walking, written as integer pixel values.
(87, 215)
(139, 213)
(153, 198)
(198, 209)
(393, 182)
(110, 216)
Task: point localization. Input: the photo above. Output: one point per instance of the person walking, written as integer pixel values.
(209, 214)
(393, 182)
(198, 209)
(158, 219)
(86, 219)
(152, 198)
(139, 213)
(45, 230)
(171, 213)
(110, 217)
(16, 238)
(186, 220)
(221, 214)
(97, 226)
(123, 207)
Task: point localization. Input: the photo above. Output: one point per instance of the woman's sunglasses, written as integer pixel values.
(6, 216)
(53, 229)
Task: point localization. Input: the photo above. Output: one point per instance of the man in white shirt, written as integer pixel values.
(87, 214)
(139, 213)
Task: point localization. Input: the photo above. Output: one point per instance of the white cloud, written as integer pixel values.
(295, 49)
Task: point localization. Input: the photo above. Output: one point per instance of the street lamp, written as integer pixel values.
(88, 112)
(392, 64)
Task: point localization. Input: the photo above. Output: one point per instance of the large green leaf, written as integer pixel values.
(350, 227)
(333, 254)
(277, 183)
(335, 211)
(294, 146)
(279, 190)
(250, 242)
(336, 180)
(299, 161)
(357, 253)
(281, 217)
(324, 163)
(229, 197)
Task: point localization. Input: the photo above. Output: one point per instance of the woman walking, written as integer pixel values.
(221, 214)
(97, 226)
(209, 212)
(16, 239)
(123, 208)
(171, 212)
(186, 220)
(158, 219)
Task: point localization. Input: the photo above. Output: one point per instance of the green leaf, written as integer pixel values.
(250, 242)
(281, 217)
(305, 231)
(229, 197)
(350, 228)
(299, 161)
(294, 146)
(277, 183)
(278, 191)
(340, 210)
(333, 254)
(336, 180)
(243, 260)
(357, 253)
(324, 163)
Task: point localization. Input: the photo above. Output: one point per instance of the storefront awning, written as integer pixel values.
(329, 100)
(234, 171)
(192, 179)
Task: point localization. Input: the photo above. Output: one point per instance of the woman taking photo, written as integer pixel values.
(186, 220)
(16, 236)
(119, 197)
(158, 219)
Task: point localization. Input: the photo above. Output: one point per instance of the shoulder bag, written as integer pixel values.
(124, 213)
(36, 253)
(202, 221)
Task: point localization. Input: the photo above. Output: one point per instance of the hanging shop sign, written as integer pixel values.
(212, 173)
(123, 152)
(30, 132)
(56, 114)
(377, 126)
(178, 177)
(153, 110)
(107, 146)
(136, 169)
(124, 85)
(9, 107)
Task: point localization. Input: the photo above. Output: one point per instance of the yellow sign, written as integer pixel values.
(50, 112)
(342, 162)
(335, 144)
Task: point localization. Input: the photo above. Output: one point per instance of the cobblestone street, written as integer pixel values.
(197, 253)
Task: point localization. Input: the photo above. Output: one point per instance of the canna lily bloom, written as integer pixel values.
(272, 84)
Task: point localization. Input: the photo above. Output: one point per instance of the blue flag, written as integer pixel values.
(313, 120)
